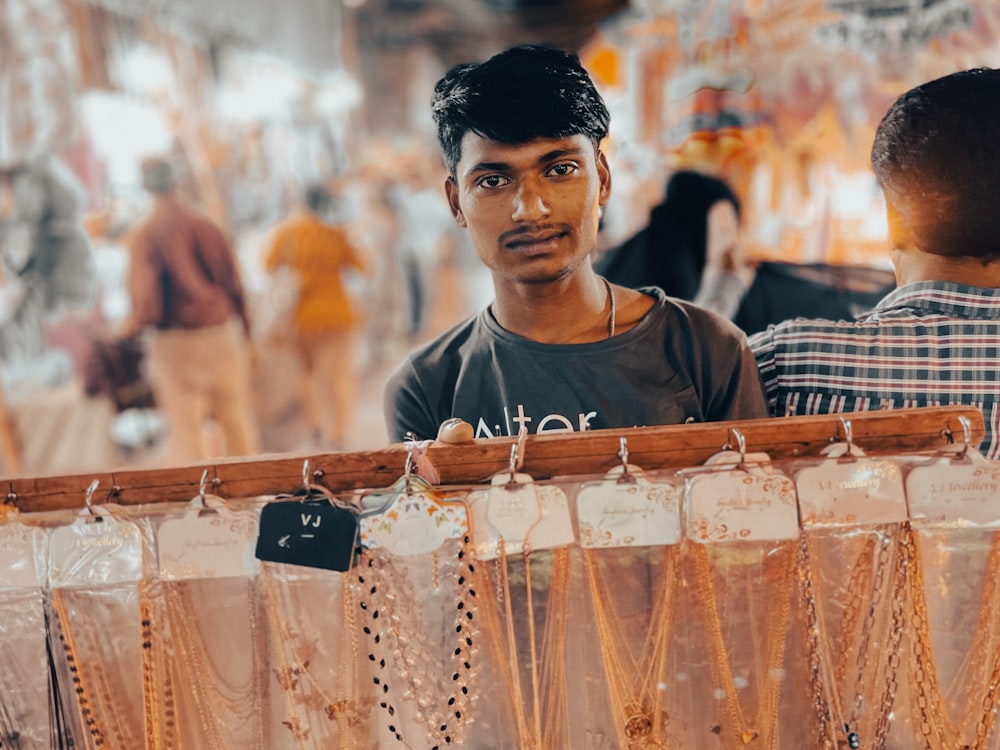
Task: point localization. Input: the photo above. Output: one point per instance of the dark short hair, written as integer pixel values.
(523, 93)
(157, 175)
(936, 157)
(317, 198)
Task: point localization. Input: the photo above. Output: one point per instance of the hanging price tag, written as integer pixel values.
(955, 491)
(550, 528)
(207, 542)
(412, 521)
(747, 504)
(95, 549)
(312, 532)
(20, 555)
(632, 513)
(851, 491)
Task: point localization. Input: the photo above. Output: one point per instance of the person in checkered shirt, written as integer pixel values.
(935, 339)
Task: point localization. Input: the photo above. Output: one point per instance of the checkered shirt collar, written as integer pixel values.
(942, 298)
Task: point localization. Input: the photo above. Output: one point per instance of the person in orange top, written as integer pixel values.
(325, 321)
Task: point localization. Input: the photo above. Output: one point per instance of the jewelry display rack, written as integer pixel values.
(543, 456)
(764, 642)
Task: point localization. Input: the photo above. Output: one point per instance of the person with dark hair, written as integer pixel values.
(671, 250)
(560, 348)
(185, 286)
(934, 340)
(325, 322)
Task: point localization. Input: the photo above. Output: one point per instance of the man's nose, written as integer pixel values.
(530, 203)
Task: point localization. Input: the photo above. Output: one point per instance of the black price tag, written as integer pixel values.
(312, 532)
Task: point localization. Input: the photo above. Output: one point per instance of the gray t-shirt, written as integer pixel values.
(679, 362)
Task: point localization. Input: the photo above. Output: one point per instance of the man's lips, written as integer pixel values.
(533, 242)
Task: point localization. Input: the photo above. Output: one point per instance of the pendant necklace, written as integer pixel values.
(779, 567)
(634, 682)
(348, 709)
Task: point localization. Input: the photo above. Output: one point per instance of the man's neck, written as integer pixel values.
(574, 310)
(913, 265)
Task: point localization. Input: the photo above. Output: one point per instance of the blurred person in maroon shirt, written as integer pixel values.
(186, 291)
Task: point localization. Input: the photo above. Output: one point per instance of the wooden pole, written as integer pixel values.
(903, 431)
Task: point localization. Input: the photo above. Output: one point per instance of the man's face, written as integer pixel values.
(532, 209)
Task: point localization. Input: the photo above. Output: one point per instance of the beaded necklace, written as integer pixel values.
(398, 643)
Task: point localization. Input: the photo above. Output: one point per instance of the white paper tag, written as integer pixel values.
(955, 493)
(554, 528)
(847, 492)
(20, 547)
(637, 513)
(741, 505)
(215, 544)
(88, 552)
(513, 509)
(413, 524)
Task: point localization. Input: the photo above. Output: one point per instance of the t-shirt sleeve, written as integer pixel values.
(743, 398)
(405, 406)
(731, 387)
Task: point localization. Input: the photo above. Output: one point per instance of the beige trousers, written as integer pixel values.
(329, 384)
(202, 374)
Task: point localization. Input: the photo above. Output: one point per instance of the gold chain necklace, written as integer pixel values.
(779, 570)
(611, 305)
(102, 714)
(633, 681)
(890, 634)
(348, 709)
(218, 704)
(936, 726)
(547, 678)
(410, 642)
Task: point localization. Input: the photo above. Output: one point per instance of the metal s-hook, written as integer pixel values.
(89, 497)
(741, 443)
(517, 451)
(410, 465)
(848, 434)
(306, 484)
(625, 477)
(201, 488)
(966, 435)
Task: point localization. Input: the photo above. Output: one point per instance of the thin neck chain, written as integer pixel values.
(611, 314)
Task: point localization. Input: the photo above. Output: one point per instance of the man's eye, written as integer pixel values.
(561, 170)
(493, 181)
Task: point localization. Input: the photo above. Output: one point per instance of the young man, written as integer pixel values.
(560, 348)
(935, 340)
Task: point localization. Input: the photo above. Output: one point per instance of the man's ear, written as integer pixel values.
(451, 191)
(604, 175)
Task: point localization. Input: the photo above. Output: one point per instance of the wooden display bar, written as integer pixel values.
(543, 456)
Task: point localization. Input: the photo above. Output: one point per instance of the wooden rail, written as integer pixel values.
(544, 456)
